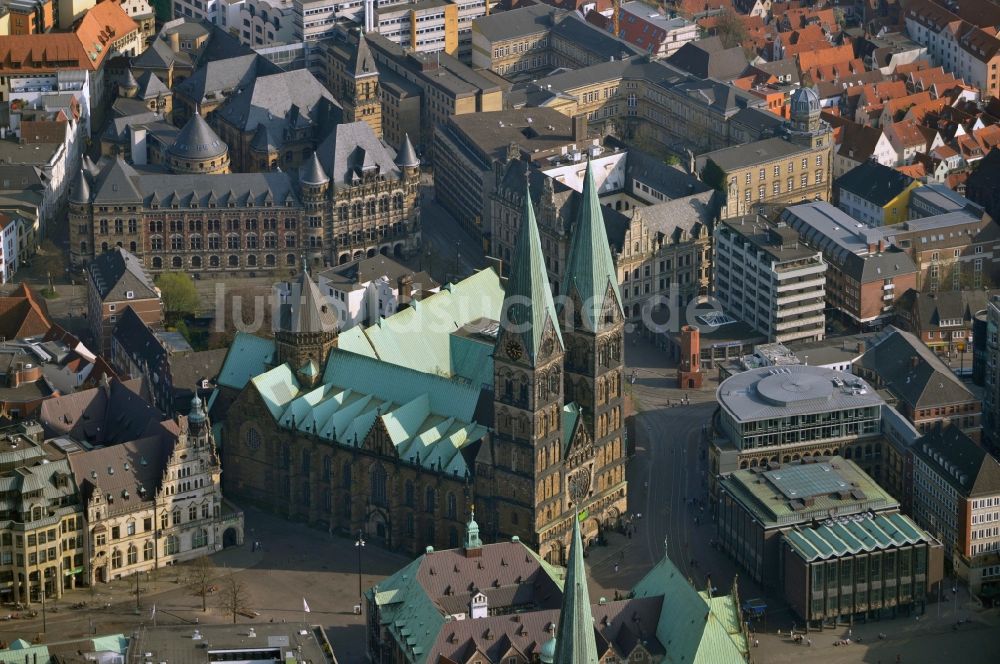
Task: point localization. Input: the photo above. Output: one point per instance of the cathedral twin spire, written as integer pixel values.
(590, 273)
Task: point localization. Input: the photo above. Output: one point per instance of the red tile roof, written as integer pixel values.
(84, 48)
(23, 314)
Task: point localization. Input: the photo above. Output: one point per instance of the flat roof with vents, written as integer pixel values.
(807, 481)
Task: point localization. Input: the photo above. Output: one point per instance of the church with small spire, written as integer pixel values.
(557, 456)
(501, 602)
(500, 397)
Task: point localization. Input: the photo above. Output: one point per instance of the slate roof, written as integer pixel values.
(120, 470)
(23, 314)
(929, 309)
(708, 58)
(277, 101)
(519, 22)
(121, 183)
(407, 157)
(216, 79)
(151, 86)
(353, 149)
(197, 141)
(139, 341)
(114, 273)
(362, 63)
(307, 310)
(960, 461)
(759, 152)
(312, 172)
(353, 275)
(912, 372)
(873, 182)
(101, 415)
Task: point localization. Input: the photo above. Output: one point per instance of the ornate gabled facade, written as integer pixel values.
(354, 197)
(389, 429)
(155, 500)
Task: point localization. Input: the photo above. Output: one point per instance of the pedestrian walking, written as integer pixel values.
(756, 643)
(616, 568)
(809, 642)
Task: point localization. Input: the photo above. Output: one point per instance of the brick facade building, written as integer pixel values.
(353, 197)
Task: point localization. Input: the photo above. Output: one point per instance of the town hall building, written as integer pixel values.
(484, 395)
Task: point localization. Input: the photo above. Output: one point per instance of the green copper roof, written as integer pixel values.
(528, 305)
(407, 612)
(835, 539)
(421, 337)
(590, 269)
(247, 357)
(570, 416)
(694, 627)
(575, 642)
(277, 388)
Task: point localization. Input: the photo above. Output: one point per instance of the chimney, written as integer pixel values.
(405, 287)
(579, 128)
(914, 361)
(175, 42)
(881, 244)
(861, 346)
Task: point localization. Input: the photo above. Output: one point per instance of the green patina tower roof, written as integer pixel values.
(590, 269)
(532, 306)
(472, 540)
(576, 643)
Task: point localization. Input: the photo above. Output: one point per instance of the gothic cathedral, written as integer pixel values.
(558, 449)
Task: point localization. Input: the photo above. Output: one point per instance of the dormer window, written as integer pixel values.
(129, 295)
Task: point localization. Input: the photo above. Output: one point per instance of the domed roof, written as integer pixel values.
(805, 99)
(548, 652)
(197, 141)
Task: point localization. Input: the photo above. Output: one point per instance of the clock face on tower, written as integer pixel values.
(513, 349)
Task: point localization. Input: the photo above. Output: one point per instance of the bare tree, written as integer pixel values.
(234, 597)
(200, 577)
(730, 29)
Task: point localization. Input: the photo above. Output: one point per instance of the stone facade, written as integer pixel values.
(249, 222)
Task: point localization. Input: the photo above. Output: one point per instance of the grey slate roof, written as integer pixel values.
(353, 274)
(740, 156)
(119, 182)
(929, 309)
(138, 341)
(306, 310)
(80, 189)
(707, 58)
(362, 62)
(873, 182)
(352, 148)
(975, 473)
(101, 415)
(120, 470)
(279, 100)
(913, 372)
(150, 86)
(407, 157)
(197, 141)
(520, 22)
(114, 273)
(312, 172)
(218, 78)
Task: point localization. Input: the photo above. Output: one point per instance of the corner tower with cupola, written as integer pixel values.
(524, 474)
(593, 318)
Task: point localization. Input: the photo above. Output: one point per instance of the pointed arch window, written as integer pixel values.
(378, 484)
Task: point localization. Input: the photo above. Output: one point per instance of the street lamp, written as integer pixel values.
(359, 545)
